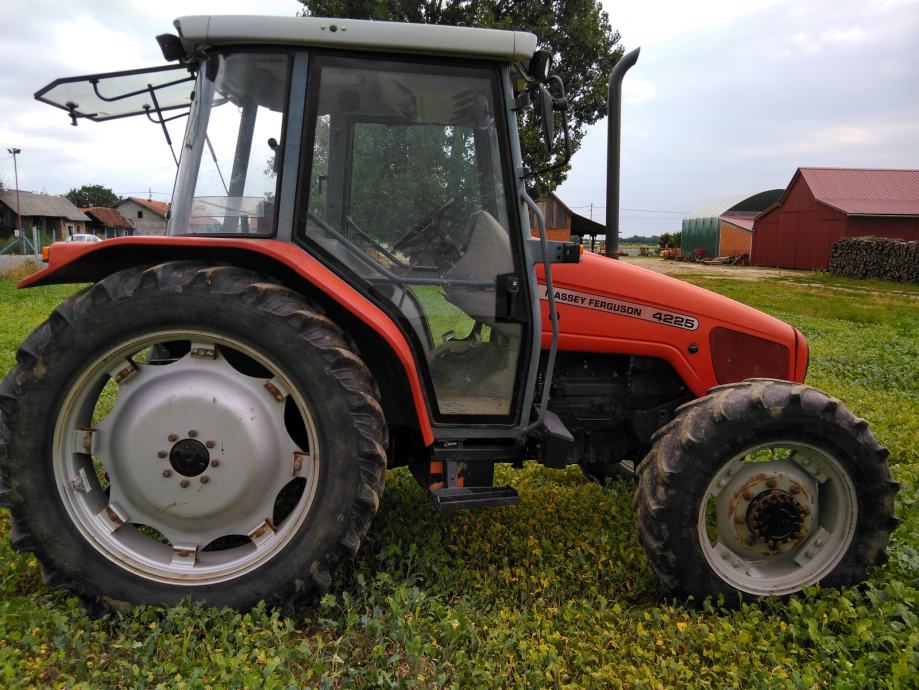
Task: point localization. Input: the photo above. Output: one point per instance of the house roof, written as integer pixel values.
(46, 205)
(158, 207)
(864, 191)
(109, 217)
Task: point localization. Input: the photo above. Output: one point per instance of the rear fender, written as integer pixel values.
(383, 345)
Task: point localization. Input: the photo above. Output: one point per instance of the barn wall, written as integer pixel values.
(764, 249)
(733, 241)
(788, 235)
(554, 234)
(896, 228)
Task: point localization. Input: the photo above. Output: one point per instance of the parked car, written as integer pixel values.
(80, 237)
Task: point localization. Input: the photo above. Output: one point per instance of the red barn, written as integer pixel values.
(822, 205)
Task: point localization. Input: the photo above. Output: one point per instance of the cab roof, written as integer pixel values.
(357, 34)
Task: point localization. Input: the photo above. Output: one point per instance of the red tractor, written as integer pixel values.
(348, 283)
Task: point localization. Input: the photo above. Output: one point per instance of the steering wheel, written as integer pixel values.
(415, 236)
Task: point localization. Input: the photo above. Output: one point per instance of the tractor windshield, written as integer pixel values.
(227, 176)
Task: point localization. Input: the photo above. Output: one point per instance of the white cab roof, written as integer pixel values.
(355, 34)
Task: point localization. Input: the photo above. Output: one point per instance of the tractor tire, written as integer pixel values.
(242, 467)
(762, 488)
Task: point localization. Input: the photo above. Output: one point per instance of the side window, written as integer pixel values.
(436, 162)
(406, 191)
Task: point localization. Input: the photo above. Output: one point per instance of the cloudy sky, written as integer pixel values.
(728, 97)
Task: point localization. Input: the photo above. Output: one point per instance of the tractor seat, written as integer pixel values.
(487, 254)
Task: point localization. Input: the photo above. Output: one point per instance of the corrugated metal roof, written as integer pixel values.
(875, 207)
(865, 191)
(46, 205)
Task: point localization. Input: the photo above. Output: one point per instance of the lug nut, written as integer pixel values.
(747, 493)
(167, 473)
(215, 463)
(771, 483)
(739, 519)
(205, 479)
(184, 483)
(211, 444)
(172, 438)
(192, 433)
(794, 489)
(162, 454)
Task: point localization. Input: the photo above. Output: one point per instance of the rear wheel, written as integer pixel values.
(190, 430)
(762, 488)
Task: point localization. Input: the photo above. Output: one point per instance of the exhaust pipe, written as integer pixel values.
(614, 127)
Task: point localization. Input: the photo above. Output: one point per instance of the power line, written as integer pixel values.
(633, 210)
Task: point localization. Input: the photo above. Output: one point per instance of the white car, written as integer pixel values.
(83, 238)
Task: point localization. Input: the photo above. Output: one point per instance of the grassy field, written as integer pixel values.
(553, 593)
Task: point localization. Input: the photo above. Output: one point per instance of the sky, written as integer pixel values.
(728, 97)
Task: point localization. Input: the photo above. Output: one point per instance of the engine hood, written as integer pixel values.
(611, 306)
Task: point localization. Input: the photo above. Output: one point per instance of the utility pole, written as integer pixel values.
(15, 152)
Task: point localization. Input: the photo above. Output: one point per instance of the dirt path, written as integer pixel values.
(740, 272)
(800, 277)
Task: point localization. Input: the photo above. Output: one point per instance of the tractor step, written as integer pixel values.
(461, 498)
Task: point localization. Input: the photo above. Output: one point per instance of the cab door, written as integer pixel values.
(408, 194)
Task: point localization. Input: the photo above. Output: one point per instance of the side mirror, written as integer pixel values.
(546, 109)
(540, 65)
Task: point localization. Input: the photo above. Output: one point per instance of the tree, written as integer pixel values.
(92, 195)
(584, 46)
(670, 239)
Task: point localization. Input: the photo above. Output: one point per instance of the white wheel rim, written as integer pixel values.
(774, 526)
(195, 451)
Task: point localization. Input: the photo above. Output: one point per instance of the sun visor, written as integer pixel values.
(100, 97)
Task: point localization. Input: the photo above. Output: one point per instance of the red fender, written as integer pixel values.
(80, 261)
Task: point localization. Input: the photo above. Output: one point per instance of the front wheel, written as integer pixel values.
(762, 488)
(190, 430)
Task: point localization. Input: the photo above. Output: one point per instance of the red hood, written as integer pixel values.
(609, 306)
(602, 275)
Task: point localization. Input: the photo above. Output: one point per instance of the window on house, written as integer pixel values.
(140, 214)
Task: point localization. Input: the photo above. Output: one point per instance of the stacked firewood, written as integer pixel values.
(876, 257)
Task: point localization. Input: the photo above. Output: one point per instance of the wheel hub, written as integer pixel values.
(197, 450)
(776, 517)
(189, 457)
(766, 509)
